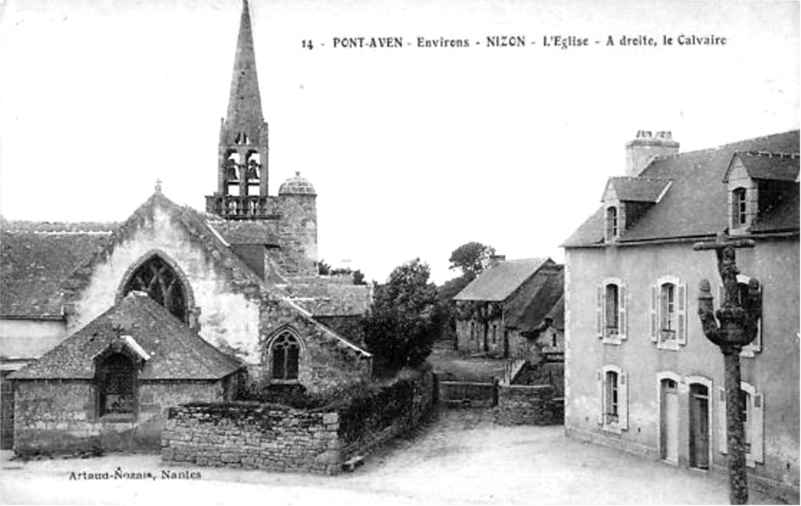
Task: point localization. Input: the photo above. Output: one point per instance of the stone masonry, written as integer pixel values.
(281, 438)
(528, 405)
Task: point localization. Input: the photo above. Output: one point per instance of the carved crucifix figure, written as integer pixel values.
(736, 326)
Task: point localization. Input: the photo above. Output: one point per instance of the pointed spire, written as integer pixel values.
(244, 101)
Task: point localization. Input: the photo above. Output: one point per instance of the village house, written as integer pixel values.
(238, 285)
(510, 307)
(640, 374)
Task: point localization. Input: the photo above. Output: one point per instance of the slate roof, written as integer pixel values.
(176, 352)
(638, 189)
(244, 232)
(782, 217)
(35, 279)
(765, 165)
(696, 204)
(499, 282)
(549, 291)
(557, 313)
(329, 297)
(36, 258)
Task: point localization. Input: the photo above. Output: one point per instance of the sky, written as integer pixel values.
(413, 151)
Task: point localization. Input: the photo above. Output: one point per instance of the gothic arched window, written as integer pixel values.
(156, 278)
(286, 357)
(116, 381)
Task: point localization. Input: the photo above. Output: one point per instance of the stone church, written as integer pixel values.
(104, 326)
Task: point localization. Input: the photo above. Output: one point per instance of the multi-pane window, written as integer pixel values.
(668, 310)
(611, 397)
(669, 313)
(611, 223)
(156, 278)
(611, 311)
(286, 357)
(745, 402)
(739, 207)
(116, 377)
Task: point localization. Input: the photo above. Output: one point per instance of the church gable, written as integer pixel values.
(169, 252)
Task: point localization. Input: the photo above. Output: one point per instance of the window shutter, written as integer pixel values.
(756, 344)
(723, 445)
(623, 400)
(599, 311)
(758, 429)
(622, 320)
(682, 314)
(600, 391)
(654, 315)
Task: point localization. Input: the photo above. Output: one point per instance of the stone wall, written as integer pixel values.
(281, 438)
(396, 409)
(297, 234)
(253, 436)
(327, 362)
(54, 416)
(529, 405)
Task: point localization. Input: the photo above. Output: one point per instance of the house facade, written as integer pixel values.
(639, 373)
(505, 309)
(242, 275)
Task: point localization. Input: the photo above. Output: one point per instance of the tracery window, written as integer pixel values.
(286, 357)
(156, 278)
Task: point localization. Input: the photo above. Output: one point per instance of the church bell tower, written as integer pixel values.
(242, 174)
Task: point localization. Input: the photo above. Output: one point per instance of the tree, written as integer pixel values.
(323, 269)
(471, 258)
(400, 327)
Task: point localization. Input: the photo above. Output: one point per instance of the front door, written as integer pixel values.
(670, 421)
(699, 426)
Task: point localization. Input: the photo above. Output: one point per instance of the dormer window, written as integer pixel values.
(612, 225)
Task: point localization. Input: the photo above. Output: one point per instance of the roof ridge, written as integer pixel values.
(642, 178)
(724, 146)
(769, 154)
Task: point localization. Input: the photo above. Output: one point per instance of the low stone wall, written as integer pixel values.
(529, 405)
(252, 435)
(467, 394)
(61, 416)
(280, 438)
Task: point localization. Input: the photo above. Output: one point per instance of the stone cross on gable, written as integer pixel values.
(158, 185)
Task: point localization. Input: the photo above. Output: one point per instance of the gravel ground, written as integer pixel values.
(458, 457)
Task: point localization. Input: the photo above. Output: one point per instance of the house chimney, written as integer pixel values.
(645, 147)
(494, 260)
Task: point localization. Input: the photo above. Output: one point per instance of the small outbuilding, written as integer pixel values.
(506, 303)
(108, 385)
